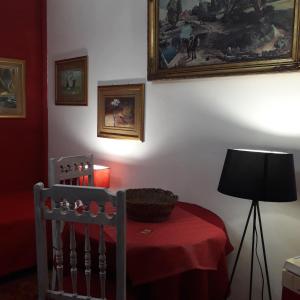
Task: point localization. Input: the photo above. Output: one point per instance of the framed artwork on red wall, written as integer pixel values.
(12, 88)
(121, 111)
(71, 81)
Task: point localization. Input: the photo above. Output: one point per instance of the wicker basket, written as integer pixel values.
(149, 205)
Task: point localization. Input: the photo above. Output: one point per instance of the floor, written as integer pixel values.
(20, 286)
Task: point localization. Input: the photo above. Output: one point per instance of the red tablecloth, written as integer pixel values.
(180, 259)
(159, 250)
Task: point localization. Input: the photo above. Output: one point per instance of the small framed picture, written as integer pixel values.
(71, 81)
(121, 111)
(12, 88)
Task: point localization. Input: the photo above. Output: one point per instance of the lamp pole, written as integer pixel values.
(254, 209)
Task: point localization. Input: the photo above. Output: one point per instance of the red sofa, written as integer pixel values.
(17, 231)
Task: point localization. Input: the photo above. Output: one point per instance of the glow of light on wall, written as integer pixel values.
(279, 116)
(267, 103)
(122, 148)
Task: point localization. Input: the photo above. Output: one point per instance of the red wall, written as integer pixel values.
(23, 146)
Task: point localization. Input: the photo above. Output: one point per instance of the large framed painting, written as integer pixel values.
(71, 81)
(12, 88)
(193, 38)
(121, 111)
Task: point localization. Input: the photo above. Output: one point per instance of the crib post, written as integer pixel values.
(73, 258)
(87, 260)
(102, 262)
(41, 243)
(59, 256)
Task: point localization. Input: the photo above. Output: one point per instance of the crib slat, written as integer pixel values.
(73, 258)
(87, 260)
(102, 261)
(83, 180)
(59, 256)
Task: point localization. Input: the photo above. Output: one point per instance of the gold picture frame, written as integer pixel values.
(121, 111)
(12, 88)
(71, 77)
(189, 38)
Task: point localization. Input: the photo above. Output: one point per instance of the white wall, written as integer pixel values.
(189, 124)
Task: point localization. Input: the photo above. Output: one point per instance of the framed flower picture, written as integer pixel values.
(121, 111)
(12, 88)
(71, 81)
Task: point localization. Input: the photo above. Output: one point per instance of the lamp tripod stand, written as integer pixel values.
(256, 212)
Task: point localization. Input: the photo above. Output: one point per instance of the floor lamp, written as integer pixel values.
(258, 176)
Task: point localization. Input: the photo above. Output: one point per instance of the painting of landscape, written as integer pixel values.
(71, 82)
(215, 32)
(12, 88)
(8, 86)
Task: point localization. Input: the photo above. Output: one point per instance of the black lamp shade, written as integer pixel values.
(259, 176)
